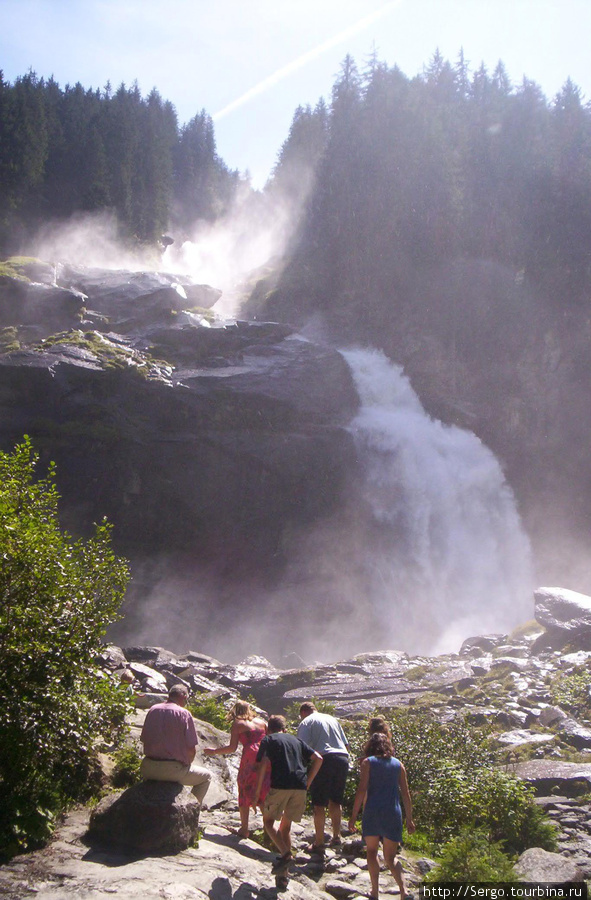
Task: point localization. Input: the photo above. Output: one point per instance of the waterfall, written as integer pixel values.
(446, 554)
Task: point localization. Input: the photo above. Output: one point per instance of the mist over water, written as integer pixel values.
(426, 549)
(449, 557)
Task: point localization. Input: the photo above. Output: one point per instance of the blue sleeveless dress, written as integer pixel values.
(382, 816)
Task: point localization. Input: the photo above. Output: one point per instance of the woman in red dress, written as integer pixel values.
(248, 730)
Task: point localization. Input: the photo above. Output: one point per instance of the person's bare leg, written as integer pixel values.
(285, 832)
(373, 867)
(335, 812)
(319, 822)
(276, 836)
(391, 849)
(244, 815)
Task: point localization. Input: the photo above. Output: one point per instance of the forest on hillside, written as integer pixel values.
(412, 173)
(77, 150)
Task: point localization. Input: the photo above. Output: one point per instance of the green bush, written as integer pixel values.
(471, 857)
(210, 709)
(454, 783)
(126, 770)
(57, 596)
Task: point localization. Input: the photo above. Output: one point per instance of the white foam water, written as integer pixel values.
(448, 555)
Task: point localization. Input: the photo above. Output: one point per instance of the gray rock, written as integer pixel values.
(574, 733)
(152, 817)
(47, 307)
(340, 889)
(563, 611)
(152, 681)
(112, 657)
(480, 645)
(152, 656)
(145, 700)
(522, 736)
(541, 866)
(425, 864)
(550, 715)
(553, 776)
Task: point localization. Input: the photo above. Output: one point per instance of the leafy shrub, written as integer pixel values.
(127, 766)
(209, 708)
(496, 803)
(454, 783)
(57, 597)
(471, 857)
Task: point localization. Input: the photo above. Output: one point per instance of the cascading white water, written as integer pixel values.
(448, 556)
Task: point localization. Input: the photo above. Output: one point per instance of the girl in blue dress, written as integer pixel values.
(382, 785)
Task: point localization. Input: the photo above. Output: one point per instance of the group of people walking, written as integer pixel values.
(277, 769)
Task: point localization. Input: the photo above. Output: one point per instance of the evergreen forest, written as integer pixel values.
(76, 150)
(415, 173)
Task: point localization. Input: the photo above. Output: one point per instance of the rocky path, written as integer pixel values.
(221, 868)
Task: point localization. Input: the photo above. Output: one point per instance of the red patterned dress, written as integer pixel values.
(247, 773)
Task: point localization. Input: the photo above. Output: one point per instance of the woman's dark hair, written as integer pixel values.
(378, 745)
(379, 725)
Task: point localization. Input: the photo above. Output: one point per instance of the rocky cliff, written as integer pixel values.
(208, 444)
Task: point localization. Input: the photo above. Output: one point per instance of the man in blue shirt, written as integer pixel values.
(325, 735)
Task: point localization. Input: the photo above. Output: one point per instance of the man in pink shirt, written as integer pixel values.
(169, 741)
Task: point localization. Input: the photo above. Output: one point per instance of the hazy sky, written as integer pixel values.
(250, 63)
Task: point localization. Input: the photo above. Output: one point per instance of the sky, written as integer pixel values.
(250, 63)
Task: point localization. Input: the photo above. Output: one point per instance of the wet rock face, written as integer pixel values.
(192, 436)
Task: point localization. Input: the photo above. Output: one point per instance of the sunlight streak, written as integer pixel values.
(304, 59)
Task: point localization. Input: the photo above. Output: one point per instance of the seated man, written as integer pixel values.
(169, 741)
(288, 758)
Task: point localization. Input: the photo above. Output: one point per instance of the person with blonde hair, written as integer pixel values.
(382, 784)
(247, 730)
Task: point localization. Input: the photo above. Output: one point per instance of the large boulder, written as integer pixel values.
(565, 614)
(153, 817)
(543, 867)
(550, 776)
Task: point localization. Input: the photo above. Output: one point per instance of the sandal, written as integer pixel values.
(336, 841)
(282, 862)
(315, 848)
